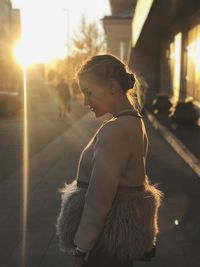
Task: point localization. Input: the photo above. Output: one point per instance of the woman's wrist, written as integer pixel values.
(78, 252)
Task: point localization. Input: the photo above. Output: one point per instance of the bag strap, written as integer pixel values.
(129, 113)
(121, 188)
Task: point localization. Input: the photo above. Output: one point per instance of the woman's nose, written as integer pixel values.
(86, 102)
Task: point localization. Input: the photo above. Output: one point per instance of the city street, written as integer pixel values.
(147, 52)
(43, 127)
(55, 152)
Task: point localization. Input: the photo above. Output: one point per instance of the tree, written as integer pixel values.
(89, 41)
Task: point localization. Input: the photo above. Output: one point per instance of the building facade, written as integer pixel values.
(9, 34)
(15, 25)
(166, 47)
(117, 27)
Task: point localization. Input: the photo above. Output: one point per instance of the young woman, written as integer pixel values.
(109, 213)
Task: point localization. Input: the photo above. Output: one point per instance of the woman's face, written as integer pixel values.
(96, 95)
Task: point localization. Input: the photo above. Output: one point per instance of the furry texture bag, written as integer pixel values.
(131, 225)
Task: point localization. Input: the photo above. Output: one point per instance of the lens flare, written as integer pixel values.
(20, 54)
(176, 222)
(25, 172)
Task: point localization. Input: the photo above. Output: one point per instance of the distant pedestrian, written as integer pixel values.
(109, 213)
(76, 91)
(63, 98)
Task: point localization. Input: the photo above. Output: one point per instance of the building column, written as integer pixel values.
(183, 80)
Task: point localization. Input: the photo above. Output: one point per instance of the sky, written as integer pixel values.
(49, 25)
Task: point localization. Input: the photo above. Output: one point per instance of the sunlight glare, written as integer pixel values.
(177, 65)
(194, 53)
(25, 55)
(25, 173)
(20, 54)
(44, 33)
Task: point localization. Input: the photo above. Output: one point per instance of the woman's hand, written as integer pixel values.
(78, 257)
(79, 261)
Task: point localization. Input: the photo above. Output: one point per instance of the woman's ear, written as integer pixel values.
(114, 86)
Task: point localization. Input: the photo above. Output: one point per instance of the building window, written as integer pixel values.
(123, 50)
(193, 63)
(175, 65)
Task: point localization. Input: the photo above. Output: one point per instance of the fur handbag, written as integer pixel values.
(131, 225)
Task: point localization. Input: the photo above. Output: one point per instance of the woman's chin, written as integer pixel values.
(98, 113)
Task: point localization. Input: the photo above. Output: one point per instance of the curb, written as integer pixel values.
(176, 144)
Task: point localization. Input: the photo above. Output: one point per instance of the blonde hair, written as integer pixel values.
(107, 66)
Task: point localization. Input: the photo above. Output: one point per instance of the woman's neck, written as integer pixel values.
(121, 105)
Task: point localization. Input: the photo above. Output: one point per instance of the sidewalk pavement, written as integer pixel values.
(185, 139)
(179, 239)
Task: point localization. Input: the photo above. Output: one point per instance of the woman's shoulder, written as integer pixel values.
(121, 129)
(112, 129)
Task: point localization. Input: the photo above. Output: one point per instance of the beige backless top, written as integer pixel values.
(114, 157)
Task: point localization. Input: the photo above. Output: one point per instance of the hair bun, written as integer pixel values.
(130, 80)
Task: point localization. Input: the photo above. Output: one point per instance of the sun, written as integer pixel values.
(44, 33)
(26, 54)
(20, 54)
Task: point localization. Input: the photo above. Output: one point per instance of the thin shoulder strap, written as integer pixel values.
(130, 113)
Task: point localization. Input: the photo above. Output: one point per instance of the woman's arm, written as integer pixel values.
(111, 154)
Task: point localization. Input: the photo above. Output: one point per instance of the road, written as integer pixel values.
(43, 127)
